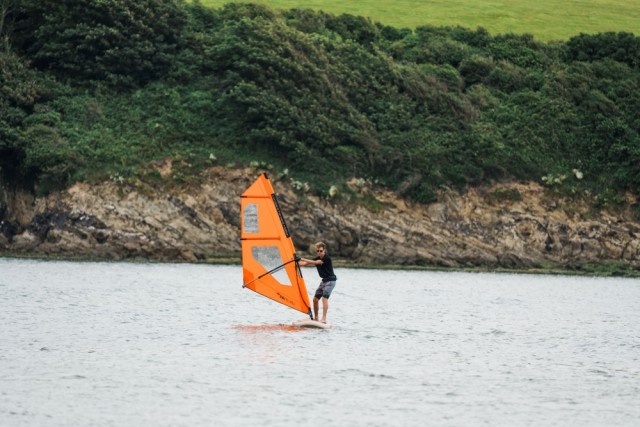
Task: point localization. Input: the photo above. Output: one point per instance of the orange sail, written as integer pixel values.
(269, 262)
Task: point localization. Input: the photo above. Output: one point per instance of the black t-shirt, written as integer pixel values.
(325, 270)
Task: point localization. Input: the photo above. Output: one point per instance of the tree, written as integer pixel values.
(20, 91)
(621, 47)
(119, 42)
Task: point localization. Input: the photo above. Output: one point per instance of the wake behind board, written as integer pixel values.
(308, 323)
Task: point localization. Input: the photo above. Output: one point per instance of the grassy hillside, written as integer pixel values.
(545, 19)
(93, 90)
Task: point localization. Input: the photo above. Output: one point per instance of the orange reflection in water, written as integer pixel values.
(267, 328)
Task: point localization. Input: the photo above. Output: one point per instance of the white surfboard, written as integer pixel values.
(308, 323)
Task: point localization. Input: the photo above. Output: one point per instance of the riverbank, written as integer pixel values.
(513, 227)
(591, 270)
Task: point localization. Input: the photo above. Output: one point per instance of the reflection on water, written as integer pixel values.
(259, 329)
(162, 344)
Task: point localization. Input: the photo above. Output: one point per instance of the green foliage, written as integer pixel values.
(22, 120)
(621, 47)
(355, 28)
(520, 50)
(611, 269)
(476, 69)
(101, 89)
(113, 42)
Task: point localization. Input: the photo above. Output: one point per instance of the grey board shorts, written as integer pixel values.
(325, 289)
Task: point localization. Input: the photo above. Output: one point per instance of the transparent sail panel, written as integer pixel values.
(251, 219)
(269, 257)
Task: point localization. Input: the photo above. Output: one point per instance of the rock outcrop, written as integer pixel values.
(198, 222)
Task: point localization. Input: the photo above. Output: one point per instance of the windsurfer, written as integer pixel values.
(325, 269)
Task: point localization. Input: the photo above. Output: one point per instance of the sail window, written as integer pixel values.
(269, 257)
(251, 219)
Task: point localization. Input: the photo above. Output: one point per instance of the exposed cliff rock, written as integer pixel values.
(200, 222)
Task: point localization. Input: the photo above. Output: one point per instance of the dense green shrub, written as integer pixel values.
(476, 68)
(621, 47)
(113, 42)
(22, 120)
(101, 88)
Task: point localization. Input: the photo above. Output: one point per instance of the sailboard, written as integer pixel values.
(270, 266)
(309, 323)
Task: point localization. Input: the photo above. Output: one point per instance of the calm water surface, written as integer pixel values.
(93, 344)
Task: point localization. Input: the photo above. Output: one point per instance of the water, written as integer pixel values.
(121, 344)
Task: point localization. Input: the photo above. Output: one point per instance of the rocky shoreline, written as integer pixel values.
(505, 226)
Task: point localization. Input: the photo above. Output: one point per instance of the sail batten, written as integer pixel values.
(262, 238)
(269, 262)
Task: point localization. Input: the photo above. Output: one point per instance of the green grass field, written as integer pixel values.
(546, 19)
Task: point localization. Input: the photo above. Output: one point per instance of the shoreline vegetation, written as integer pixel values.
(303, 92)
(152, 93)
(608, 269)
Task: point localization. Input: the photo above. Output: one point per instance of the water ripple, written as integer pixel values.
(185, 345)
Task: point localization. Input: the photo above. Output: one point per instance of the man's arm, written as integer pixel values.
(304, 261)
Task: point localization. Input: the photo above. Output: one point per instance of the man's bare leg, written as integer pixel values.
(315, 308)
(325, 308)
